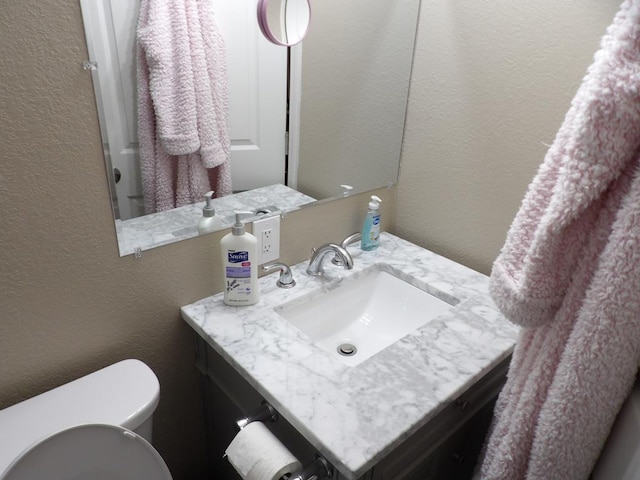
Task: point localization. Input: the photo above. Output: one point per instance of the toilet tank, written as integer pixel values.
(125, 393)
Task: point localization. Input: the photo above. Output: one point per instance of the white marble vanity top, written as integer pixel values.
(356, 415)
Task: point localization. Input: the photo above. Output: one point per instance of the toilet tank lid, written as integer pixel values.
(125, 393)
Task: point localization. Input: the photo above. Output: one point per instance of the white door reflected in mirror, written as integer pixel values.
(284, 22)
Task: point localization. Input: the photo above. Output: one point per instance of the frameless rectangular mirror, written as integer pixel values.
(303, 120)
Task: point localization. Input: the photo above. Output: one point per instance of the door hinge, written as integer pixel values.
(286, 143)
(89, 65)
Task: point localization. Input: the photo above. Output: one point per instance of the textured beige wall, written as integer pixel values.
(491, 83)
(69, 303)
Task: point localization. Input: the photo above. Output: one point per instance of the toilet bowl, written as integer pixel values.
(98, 427)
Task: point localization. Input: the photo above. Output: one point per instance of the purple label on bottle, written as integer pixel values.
(238, 272)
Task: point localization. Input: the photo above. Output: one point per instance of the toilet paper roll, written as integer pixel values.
(257, 454)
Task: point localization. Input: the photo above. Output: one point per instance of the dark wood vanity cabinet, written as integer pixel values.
(446, 448)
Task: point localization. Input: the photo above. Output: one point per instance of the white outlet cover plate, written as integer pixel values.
(271, 224)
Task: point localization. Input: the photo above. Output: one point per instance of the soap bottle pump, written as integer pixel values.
(209, 221)
(371, 226)
(240, 265)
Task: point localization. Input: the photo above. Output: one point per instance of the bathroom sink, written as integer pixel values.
(364, 314)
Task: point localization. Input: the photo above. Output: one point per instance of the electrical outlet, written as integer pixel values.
(267, 231)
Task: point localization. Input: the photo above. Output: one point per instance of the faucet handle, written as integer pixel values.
(354, 237)
(285, 280)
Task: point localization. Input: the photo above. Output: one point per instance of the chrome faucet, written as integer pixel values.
(354, 237)
(319, 255)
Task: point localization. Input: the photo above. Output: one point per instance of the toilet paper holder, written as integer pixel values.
(319, 469)
(262, 413)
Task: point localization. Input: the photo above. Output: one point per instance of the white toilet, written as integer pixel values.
(97, 427)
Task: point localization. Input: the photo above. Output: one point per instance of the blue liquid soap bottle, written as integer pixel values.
(371, 226)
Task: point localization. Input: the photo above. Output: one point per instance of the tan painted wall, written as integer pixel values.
(492, 81)
(69, 304)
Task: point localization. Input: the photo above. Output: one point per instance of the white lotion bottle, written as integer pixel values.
(209, 221)
(240, 266)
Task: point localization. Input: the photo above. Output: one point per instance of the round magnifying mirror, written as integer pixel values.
(284, 22)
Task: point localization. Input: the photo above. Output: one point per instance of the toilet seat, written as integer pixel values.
(93, 451)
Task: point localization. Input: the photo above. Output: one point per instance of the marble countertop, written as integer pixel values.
(355, 415)
(162, 228)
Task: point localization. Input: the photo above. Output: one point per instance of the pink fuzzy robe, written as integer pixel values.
(569, 273)
(182, 104)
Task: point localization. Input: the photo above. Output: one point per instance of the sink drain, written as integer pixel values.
(347, 349)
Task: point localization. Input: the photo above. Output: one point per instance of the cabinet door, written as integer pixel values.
(257, 74)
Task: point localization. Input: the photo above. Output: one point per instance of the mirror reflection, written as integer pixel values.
(339, 97)
(284, 22)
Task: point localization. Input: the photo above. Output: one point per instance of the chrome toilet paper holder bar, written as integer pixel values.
(262, 413)
(319, 469)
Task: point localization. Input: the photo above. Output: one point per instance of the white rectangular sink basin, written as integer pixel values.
(365, 314)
